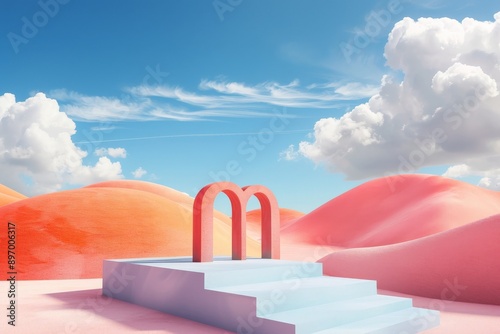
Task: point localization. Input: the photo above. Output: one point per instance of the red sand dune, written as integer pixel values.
(67, 234)
(8, 195)
(394, 209)
(287, 216)
(462, 264)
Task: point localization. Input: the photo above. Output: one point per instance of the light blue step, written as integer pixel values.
(226, 272)
(320, 317)
(280, 296)
(286, 272)
(407, 321)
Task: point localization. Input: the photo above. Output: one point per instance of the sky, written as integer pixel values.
(309, 98)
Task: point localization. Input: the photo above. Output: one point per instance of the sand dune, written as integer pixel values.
(461, 264)
(287, 216)
(394, 209)
(8, 195)
(174, 195)
(171, 194)
(6, 199)
(67, 234)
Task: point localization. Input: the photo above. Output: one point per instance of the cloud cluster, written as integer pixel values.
(118, 152)
(214, 98)
(445, 111)
(37, 154)
(139, 173)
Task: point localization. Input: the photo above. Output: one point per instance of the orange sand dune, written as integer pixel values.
(461, 264)
(287, 216)
(8, 195)
(67, 234)
(394, 209)
(6, 199)
(169, 193)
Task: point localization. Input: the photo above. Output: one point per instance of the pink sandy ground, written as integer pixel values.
(76, 306)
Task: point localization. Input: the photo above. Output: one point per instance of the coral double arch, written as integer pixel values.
(203, 220)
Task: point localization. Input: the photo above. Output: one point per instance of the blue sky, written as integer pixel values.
(183, 93)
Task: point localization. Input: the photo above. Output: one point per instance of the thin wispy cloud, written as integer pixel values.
(107, 109)
(212, 99)
(192, 135)
(220, 94)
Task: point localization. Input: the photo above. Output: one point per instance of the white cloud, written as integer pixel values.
(289, 154)
(487, 168)
(212, 99)
(356, 90)
(457, 171)
(444, 111)
(139, 173)
(104, 169)
(99, 108)
(117, 152)
(37, 154)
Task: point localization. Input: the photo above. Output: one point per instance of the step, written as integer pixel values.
(319, 317)
(226, 272)
(408, 321)
(262, 271)
(272, 297)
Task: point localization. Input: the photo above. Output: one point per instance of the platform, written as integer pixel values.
(262, 296)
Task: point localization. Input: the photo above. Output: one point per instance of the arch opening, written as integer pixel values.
(203, 209)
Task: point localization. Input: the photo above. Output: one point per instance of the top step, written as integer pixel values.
(226, 272)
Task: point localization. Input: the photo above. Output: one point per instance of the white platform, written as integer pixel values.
(262, 296)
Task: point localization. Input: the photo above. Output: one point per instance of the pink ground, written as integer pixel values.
(76, 306)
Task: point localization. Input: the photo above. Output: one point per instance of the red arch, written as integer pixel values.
(203, 220)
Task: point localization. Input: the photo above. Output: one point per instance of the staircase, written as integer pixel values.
(262, 296)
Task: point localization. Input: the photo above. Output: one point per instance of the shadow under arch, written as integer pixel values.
(203, 209)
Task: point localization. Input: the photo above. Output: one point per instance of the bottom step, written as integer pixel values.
(335, 314)
(408, 321)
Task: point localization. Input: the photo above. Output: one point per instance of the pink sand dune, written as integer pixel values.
(254, 222)
(462, 264)
(67, 234)
(8, 195)
(394, 209)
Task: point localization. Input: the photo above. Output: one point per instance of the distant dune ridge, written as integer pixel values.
(171, 194)
(174, 195)
(8, 195)
(287, 217)
(394, 209)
